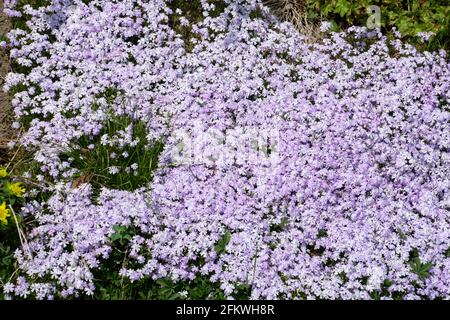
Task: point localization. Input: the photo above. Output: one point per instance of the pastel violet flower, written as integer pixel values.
(16, 189)
(15, 125)
(184, 22)
(325, 26)
(113, 170)
(4, 214)
(425, 36)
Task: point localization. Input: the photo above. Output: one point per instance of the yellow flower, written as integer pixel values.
(3, 173)
(15, 189)
(4, 213)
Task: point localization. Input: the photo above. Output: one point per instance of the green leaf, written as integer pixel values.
(342, 7)
(223, 242)
(127, 237)
(322, 233)
(421, 269)
(280, 227)
(116, 236)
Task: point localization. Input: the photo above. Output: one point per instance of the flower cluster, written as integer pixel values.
(4, 213)
(10, 193)
(73, 236)
(356, 206)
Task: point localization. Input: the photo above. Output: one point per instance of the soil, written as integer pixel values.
(6, 115)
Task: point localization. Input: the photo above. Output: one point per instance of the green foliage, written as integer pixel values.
(377, 294)
(94, 164)
(197, 289)
(280, 226)
(384, 292)
(122, 235)
(10, 198)
(421, 269)
(8, 242)
(223, 242)
(322, 233)
(408, 16)
(110, 285)
(115, 287)
(242, 291)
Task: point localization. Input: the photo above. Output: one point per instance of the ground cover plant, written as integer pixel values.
(413, 18)
(211, 151)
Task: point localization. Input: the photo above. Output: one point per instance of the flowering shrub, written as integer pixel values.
(355, 205)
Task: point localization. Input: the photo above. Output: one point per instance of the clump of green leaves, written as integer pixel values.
(221, 245)
(122, 234)
(385, 291)
(110, 285)
(280, 226)
(407, 16)
(421, 269)
(113, 287)
(94, 164)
